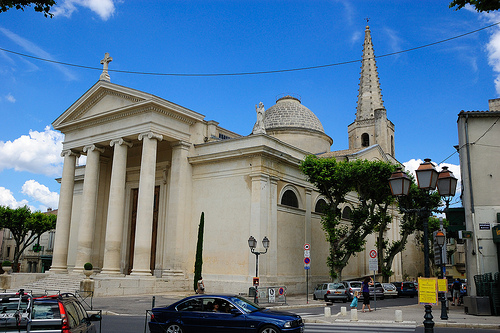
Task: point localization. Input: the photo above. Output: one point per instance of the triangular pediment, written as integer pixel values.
(108, 101)
(101, 98)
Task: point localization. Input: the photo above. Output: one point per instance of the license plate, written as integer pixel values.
(338, 292)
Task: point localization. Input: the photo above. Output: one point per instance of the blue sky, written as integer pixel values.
(423, 89)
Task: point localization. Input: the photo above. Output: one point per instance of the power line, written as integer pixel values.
(250, 73)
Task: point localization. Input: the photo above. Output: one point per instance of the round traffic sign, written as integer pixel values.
(281, 291)
(373, 254)
(307, 260)
(307, 246)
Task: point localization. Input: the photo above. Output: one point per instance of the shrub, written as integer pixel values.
(88, 266)
(6, 263)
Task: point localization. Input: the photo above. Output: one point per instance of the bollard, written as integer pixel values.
(328, 312)
(399, 316)
(354, 314)
(343, 310)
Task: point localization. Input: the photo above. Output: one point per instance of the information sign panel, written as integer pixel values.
(427, 291)
(443, 285)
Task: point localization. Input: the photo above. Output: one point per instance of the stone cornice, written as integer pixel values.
(117, 114)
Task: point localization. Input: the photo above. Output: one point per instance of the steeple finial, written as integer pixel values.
(370, 94)
(105, 62)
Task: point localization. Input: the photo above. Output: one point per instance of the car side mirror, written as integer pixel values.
(95, 317)
(235, 312)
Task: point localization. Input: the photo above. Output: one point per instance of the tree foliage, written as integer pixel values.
(334, 180)
(25, 226)
(479, 5)
(199, 252)
(42, 6)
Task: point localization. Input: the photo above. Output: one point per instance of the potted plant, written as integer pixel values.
(7, 266)
(87, 270)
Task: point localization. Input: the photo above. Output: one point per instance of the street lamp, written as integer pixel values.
(252, 243)
(440, 240)
(427, 179)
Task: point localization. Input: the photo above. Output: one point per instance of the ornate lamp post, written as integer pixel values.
(252, 243)
(427, 179)
(440, 240)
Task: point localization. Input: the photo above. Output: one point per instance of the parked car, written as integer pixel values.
(406, 288)
(234, 314)
(331, 291)
(352, 287)
(390, 290)
(378, 290)
(61, 313)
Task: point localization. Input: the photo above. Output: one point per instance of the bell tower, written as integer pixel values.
(371, 125)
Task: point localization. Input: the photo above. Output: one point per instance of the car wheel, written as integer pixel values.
(174, 328)
(314, 297)
(344, 300)
(326, 299)
(269, 329)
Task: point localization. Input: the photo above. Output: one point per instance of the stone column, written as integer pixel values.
(60, 254)
(178, 190)
(116, 208)
(145, 202)
(308, 216)
(272, 254)
(89, 206)
(259, 215)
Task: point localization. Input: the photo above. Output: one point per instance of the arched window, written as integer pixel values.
(290, 199)
(347, 213)
(321, 206)
(365, 140)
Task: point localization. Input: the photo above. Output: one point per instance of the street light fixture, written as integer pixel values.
(252, 243)
(427, 179)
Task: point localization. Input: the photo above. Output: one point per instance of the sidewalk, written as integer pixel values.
(412, 315)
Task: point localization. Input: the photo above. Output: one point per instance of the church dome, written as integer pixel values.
(289, 113)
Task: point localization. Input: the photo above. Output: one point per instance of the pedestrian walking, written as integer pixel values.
(367, 282)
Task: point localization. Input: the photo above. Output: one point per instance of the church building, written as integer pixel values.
(153, 167)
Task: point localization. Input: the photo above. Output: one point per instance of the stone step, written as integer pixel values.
(53, 284)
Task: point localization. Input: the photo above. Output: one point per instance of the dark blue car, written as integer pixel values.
(221, 313)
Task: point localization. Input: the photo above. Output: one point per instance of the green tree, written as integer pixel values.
(26, 227)
(43, 6)
(415, 208)
(479, 5)
(334, 180)
(199, 252)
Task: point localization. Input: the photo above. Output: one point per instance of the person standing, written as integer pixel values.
(367, 282)
(201, 286)
(354, 303)
(457, 285)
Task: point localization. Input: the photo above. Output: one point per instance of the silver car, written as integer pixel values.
(390, 290)
(331, 292)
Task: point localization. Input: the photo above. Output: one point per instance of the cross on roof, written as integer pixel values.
(105, 62)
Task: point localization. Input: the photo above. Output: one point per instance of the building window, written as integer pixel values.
(347, 213)
(365, 140)
(8, 251)
(321, 206)
(290, 199)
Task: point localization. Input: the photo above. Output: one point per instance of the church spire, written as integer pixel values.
(370, 94)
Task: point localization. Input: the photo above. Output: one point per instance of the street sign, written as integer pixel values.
(307, 253)
(307, 246)
(272, 297)
(373, 261)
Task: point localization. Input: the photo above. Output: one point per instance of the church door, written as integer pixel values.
(133, 223)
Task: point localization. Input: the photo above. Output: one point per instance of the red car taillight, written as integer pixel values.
(328, 291)
(64, 317)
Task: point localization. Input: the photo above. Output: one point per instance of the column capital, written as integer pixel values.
(92, 148)
(150, 135)
(120, 142)
(181, 145)
(69, 152)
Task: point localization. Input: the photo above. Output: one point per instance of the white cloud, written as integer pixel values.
(10, 98)
(103, 8)
(41, 193)
(493, 46)
(37, 51)
(7, 199)
(38, 153)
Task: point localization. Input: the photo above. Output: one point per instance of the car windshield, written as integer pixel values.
(355, 284)
(245, 304)
(336, 286)
(409, 285)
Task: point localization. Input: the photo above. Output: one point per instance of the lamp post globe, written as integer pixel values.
(427, 175)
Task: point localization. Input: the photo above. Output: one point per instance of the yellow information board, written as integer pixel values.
(427, 291)
(443, 285)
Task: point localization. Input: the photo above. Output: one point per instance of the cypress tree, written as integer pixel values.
(199, 252)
